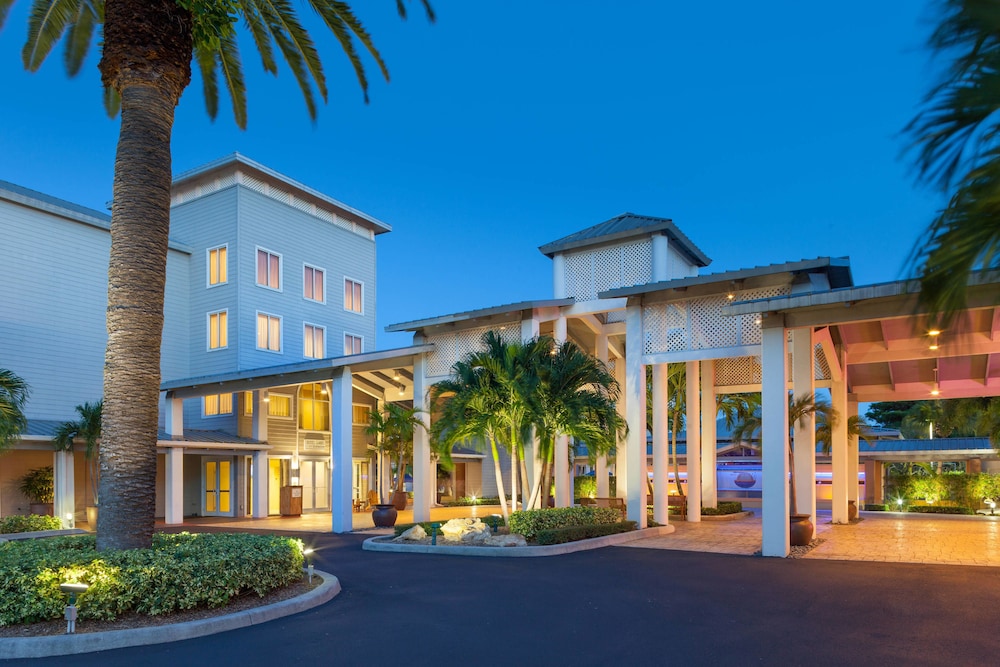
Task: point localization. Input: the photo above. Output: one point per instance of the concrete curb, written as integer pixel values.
(43, 647)
(382, 543)
(10, 537)
(727, 517)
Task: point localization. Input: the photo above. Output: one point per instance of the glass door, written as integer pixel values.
(217, 482)
(315, 478)
(275, 478)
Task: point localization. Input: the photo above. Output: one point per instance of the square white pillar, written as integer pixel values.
(64, 501)
(174, 486)
(693, 427)
(853, 457)
(258, 422)
(774, 439)
(841, 477)
(621, 449)
(341, 468)
(804, 455)
(709, 437)
(423, 486)
(601, 464)
(661, 437)
(635, 417)
(259, 482)
(174, 416)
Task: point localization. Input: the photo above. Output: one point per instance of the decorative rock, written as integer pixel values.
(513, 540)
(456, 529)
(477, 536)
(416, 533)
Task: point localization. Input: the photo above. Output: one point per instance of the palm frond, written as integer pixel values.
(112, 101)
(261, 36)
(5, 6)
(224, 61)
(401, 9)
(47, 22)
(297, 48)
(81, 34)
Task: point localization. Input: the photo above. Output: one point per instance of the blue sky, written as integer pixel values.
(768, 132)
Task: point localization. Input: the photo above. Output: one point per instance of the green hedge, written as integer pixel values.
(585, 486)
(401, 528)
(530, 522)
(939, 509)
(181, 571)
(28, 524)
(574, 533)
(874, 507)
(466, 501)
(724, 507)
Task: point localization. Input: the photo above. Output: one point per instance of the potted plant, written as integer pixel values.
(88, 429)
(393, 428)
(39, 488)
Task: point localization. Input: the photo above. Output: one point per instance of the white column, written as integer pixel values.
(532, 464)
(635, 417)
(804, 455)
(853, 457)
(838, 399)
(709, 437)
(774, 440)
(423, 486)
(258, 422)
(64, 501)
(174, 416)
(693, 419)
(660, 245)
(560, 464)
(259, 481)
(174, 486)
(601, 465)
(621, 450)
(661, 436)
(341, 445)
(558, 276)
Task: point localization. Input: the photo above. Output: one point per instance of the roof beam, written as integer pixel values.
(362, 384)
(592, 323)
(825, 341)
(995, 327)
(594, 306)
(960, 345)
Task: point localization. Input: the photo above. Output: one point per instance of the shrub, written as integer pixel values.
(585, 486)
(27, 524)
(466, 501)
(179, 572)
(730, 507)
(874, 507)
(401, 528)
(530, 522)
(574, 533)
(939, 509)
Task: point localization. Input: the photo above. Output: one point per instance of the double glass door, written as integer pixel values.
(217, 482)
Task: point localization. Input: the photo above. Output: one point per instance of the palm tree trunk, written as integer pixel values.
(677, 467)
(527, 495)
(513, 478)
(499, 476)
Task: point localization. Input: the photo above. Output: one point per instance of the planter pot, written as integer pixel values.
(399, 500)
(92, 516)
(384, 515)
(852, 510)
(800, 530)
(43, 509)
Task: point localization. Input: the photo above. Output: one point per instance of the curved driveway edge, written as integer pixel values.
(383, 543)
(43, 647)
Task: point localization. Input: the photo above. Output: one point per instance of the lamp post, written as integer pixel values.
(72, 590)
(308, 553)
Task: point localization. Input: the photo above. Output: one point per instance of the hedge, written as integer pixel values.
(574, 533)
(401, 528)
(939, 509)
(874, 507)
(181, 571)
(585, 486)
(17, 523)
(724, 507)
(530, 522)
(467, 501)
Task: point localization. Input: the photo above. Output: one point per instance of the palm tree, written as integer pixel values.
(88, 429)
(956, 137)
(393, 427)
(147, 48)
(14, 393)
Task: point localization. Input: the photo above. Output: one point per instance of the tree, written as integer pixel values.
(147, 48)
(14, 393)
(393, 428)
(88, 429)
(957, 139)
(889, 414)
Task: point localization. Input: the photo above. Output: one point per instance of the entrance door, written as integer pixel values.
(459, 480)
(274, 482)
(217, 482)
(360, 485)
(315, 478)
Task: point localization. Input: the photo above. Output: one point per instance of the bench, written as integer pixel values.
(680, 502)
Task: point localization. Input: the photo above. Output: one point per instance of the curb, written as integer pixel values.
(43, 647)
(735, 516)
(382, 543)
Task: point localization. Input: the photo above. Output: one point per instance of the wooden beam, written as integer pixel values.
(961, 345)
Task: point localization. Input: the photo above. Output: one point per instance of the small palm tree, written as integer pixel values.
(393, 428)
(14, 393)
(88, 429)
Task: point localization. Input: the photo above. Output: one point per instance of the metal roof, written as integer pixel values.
(415, 325)
(624, 226)
(376, 225)
(935, 445)
(837, 268)
(207, 436)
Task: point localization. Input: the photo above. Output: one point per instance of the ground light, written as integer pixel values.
(72, 590)
(308, 553)
(899, 502)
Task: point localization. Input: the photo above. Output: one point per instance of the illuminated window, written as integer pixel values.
(218, 330)
(218, 272)
(217, 404)
(314, 341)
(314, 408)
(362, 414)
(268, 332)
(353, 296)
(268, 269)
(278, 405)
(314, 284)
(352, 344)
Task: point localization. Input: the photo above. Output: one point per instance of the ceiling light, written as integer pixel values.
(396, 375)
(934, 346)
(934, 332)
(401, 390)
(730, 296)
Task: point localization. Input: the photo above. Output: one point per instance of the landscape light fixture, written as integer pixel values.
(72, 590)
(308, 553)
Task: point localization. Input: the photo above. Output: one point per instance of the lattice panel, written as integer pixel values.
(737, 371)
(637, 263)
(822, 367)
(615, 316)
(451, 347)
(592, 271)
(709, 327)
(665, 327)
(750, 323)
(439, 361)
(580, 276)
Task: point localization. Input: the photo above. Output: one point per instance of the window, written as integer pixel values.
(218, 273)
(314, 340)
(268, 332)
(218, 330)
(353, 296)
(278, 405)
(314, 408)
(362, 415)
(314, 284)
(217, 404)
(352, 344)
(268, 269)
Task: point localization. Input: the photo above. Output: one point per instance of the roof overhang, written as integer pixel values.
(513, 310)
